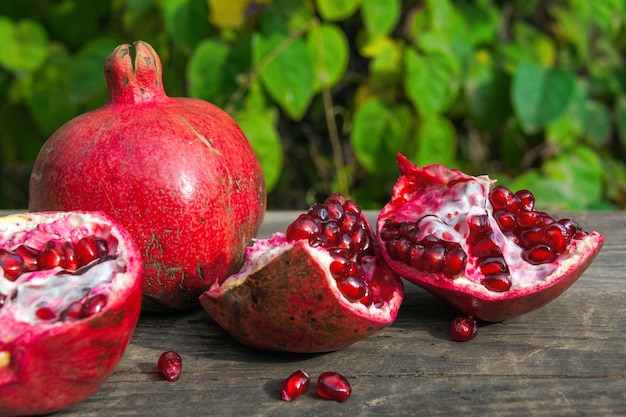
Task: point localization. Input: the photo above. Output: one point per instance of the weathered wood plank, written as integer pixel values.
(567, 358)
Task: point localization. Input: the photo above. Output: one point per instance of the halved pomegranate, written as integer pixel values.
(70, 297)
(485, 250)
(320, 286)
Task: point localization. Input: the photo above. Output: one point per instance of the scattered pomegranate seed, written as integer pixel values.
(333, 386)
(170, 365)
(294, 385)
(463, 329)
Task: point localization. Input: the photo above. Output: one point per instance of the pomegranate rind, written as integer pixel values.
(49, 367)
(177, 173)
(423, 191)
(286, 300)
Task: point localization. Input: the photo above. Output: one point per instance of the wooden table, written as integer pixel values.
(565, 359)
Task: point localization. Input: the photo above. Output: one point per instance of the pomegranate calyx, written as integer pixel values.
(134, 81)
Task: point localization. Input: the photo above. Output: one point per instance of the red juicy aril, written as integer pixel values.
(320, 286)
(485, 250)
(70, 297)
(177, 173)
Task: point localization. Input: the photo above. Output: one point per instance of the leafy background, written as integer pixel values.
(328, 91)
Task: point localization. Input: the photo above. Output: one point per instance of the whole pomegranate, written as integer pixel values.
(70, 297)
(177, 173)
(320, 286)
(485, 250)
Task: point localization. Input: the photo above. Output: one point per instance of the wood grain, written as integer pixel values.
(567, 358)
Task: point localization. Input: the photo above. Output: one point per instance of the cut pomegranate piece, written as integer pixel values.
(333, 386)
(294, 385)
(485, 250)
(170, 365)
(63, 327)
(318, 287)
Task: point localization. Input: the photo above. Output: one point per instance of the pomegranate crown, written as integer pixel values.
(134, 81)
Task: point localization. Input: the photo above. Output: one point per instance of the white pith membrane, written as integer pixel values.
(52, 288)
(454, 206)
(264, 251)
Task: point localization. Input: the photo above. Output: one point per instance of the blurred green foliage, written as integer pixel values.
(532, 92)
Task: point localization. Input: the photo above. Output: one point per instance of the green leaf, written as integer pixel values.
(333, 10)
(581, 173)
(286, 71)
(88, 82)
(73, 22)
(598, 123)
(378, 134)
(329, 50)
(386, 66)
(380, 17)
(204, 69)
(260, 129)
(186, 21)
(49, 96)
(486, 88)
(540, 95)
(285, 16)
(431, 81)
(23, 45)
(620, 116)
(436, 142)
(21, 140)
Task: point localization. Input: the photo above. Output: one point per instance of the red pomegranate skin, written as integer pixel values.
(52, 367)
(177, 173)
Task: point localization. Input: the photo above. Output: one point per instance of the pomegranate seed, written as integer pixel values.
(335, 210)
(350, 222)
(320, 212)
(337, 198)
(479, 224)
(503, 199)
(463, 329)
(485, 248)
(455, 262)
(434, 258)
(72, 312)
(90, 248)
(416, 255)
(571, 226)
(330, 230)
(45, 313)
(170, 365)
(506, 220)
(12, 264)
(93, 305)
(29, 256)
(294, 385)
(381, 287)
(368, 298)
(352, 207)
(333, 386)
(70, 257)
(51, 256)
(527, 199)
(493, 266)
(539, 254)
(497, 282)
(557, 237)
(527, 219)
(340, 267)
(352, 288)
(303, 228)
(532, 236)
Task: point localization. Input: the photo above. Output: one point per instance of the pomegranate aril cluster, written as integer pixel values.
(429, 254)
(338, 226)
(541, 237)
(70, 258)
